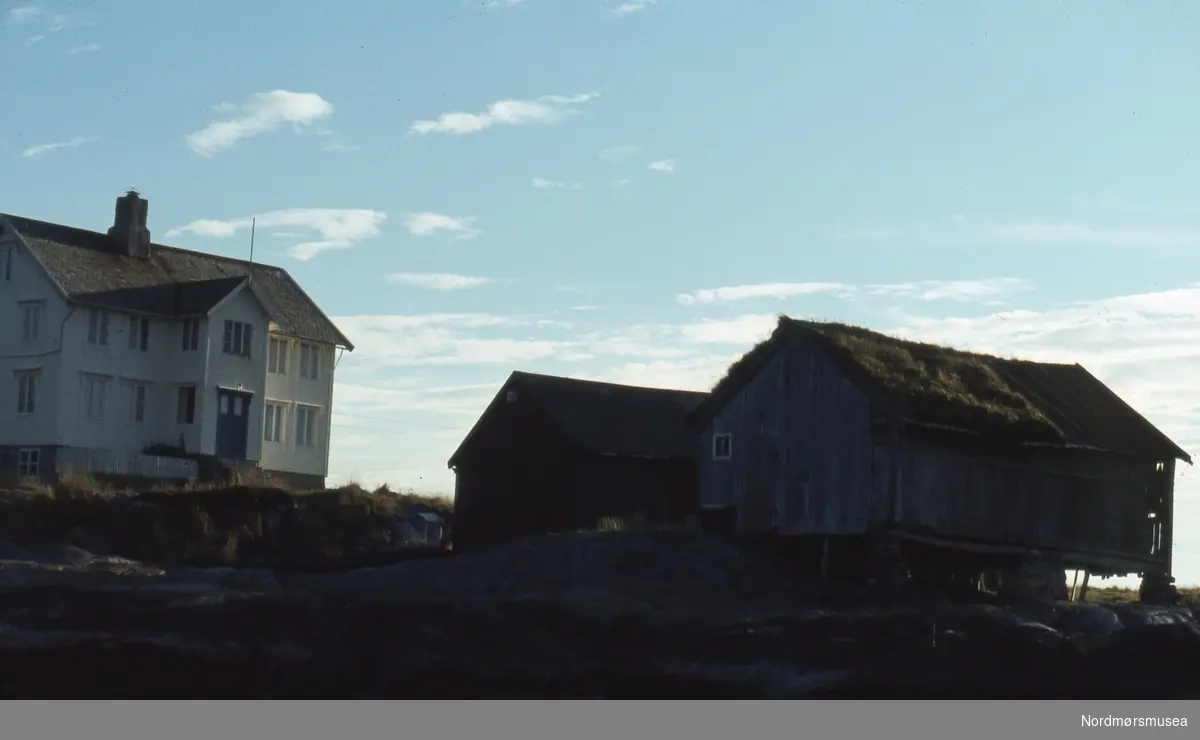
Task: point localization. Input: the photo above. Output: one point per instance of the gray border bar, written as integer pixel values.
(555, 720)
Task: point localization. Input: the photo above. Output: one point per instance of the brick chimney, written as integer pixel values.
(129, 230)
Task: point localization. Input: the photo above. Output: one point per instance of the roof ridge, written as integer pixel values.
(157, 245)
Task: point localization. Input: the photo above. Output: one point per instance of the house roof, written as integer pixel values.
(1015, 400)
(172, 282)
(606, 417)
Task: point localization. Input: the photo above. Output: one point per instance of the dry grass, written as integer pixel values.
(931, 383)
(1119, 595)
(199, 524)
(635, 523)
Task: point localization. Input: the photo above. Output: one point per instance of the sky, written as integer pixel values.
(632, 190)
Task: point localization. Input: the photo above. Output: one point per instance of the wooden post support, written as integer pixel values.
(1167, 486)
(1087, 574)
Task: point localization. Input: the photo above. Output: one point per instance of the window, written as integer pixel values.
(191, 335)
(28, 462)
(309, 361)
(185, 405)
(237, 338)
(31, 321)
(722, 446)
(139, 333)
(97, 326)
(137, 402)
(277, 356)
(6, 254)
(95, 389)
(27, 387)
(306, 426)
(273, 422)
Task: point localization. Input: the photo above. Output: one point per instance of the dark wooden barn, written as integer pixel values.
(553, 454)
(847, 436)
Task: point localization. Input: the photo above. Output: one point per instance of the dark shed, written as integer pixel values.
(553, 454)
(826, 429)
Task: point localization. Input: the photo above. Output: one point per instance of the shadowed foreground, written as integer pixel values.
(616, 615)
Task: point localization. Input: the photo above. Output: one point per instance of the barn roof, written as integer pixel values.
(608, 418)
(172, 282)
(1009, 399)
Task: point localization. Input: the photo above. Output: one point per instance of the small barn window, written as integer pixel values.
(722, 446)
(28, 462)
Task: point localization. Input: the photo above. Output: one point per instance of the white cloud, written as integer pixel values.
(35, 17)
(758, 290)
(541, 182)
(335, 228)
(41, 149)
(663, 165)
(262, 113)
(437, 280)
(621, 182)
(439, 340)
(340, 148)
(502, 3)
(691, 374)
(951, 290)
(737, 330)
(23, 14)
(356, 399)
(87, 48)
(427, 224)
(633, 6)
(547, 109)
(985, 290)
(483, 340)
(619, 152)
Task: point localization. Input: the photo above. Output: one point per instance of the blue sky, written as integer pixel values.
(631, 190)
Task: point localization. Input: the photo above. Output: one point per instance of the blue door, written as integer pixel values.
(233, 424)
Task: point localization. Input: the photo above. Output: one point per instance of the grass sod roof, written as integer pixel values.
(925, 382)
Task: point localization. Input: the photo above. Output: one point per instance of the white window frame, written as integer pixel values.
(27, 391)
(274, 417)
(717, 452)
(306, 426)
(31, 321)
(94, 397)
(6, 262)
(277, 355)
(191, 335)
(310, 361)
(139, 333)
(29, 462)
(139, 394)
(237, 338)
(185, 413)
(97, 326)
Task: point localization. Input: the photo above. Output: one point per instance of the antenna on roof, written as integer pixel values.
(252, 240)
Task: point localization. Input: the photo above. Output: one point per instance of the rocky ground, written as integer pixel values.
(616, 615)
